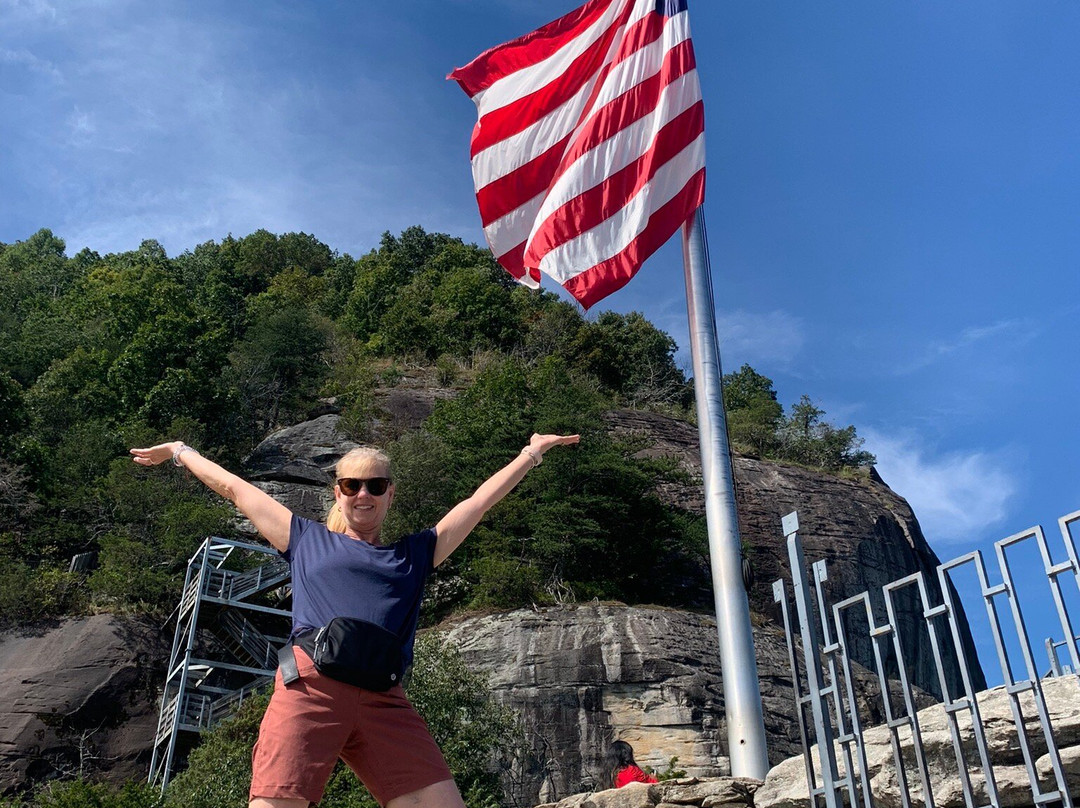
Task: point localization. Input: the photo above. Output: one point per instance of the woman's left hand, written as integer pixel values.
(541, 443)
(155, 454)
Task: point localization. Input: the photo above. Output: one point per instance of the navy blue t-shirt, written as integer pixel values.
(336, 576)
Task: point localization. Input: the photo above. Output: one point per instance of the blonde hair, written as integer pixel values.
(360, 456)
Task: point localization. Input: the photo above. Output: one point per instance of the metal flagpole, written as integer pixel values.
(742, 694)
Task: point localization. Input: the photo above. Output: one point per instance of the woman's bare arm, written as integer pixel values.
(459, 522)
(270, 517)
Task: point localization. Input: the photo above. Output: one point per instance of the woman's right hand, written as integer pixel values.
(155, 454)
(272, 519)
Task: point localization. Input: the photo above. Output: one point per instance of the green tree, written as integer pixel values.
(382, 273)
(279, 365)
(73, 390)
(155, 522)
(587, 523)
(14, 417)
(472, 309)
(551, 325)
(35, 276)
(34, 271)
(753, 413)
(255, 260)
(632, 358)
(807, 438)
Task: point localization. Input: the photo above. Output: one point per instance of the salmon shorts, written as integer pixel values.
(315, 720)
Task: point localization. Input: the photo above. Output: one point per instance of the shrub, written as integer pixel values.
(81, 793)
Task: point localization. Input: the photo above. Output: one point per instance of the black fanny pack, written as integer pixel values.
(350, 650)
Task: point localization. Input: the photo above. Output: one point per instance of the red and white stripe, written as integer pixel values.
(589, 151)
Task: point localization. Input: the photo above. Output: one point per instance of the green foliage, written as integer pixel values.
(806, 438)
(74, 389)
(13, 414)
(753, 413)
(357, 402)
(585, 524)
(671, 772)
(82, 793)
(233, 338)
(159, 521)
(429, 294)
(631, 357)
(422, 487)
(28, 594)
(446, 370)
(471, 730)
(277, 368)
(756, 424)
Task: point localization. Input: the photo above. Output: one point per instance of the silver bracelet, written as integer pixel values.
(183, 447)
(537, 459)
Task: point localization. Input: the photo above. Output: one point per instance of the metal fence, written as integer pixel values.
(824, 681)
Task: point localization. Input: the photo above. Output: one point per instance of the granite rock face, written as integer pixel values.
(295, 466)
(79, 696)
(867, 535)
(583, 676)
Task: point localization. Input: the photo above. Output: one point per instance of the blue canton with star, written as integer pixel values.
(669, 8)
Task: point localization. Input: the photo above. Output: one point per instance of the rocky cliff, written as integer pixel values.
(865, 532)
(582, 676)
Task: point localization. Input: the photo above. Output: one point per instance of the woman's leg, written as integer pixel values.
(438, 795)
(301, 734)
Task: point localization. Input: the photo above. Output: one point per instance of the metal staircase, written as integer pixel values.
(224, 646)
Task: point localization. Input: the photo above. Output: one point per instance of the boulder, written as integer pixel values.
(79, 696)
(786, 787)
(295, 466)
(681, 793)
(303, 454)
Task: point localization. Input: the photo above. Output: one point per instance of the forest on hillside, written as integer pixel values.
(232, 339)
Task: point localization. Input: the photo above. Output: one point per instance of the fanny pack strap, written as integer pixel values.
(286, 658)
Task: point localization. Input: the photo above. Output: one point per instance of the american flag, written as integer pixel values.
(589, 151)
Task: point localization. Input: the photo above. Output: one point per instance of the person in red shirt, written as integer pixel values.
(620, 767)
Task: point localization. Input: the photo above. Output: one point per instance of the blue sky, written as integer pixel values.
(893, 202)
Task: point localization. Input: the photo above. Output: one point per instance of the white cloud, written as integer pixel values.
(762, 339)
(28, 9)
(956, 496)
(81, 127)
(31, 62)
(1015, 331)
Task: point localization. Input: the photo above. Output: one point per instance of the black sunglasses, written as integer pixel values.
(376, 486)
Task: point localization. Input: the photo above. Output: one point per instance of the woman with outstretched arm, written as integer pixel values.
(355, 609)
